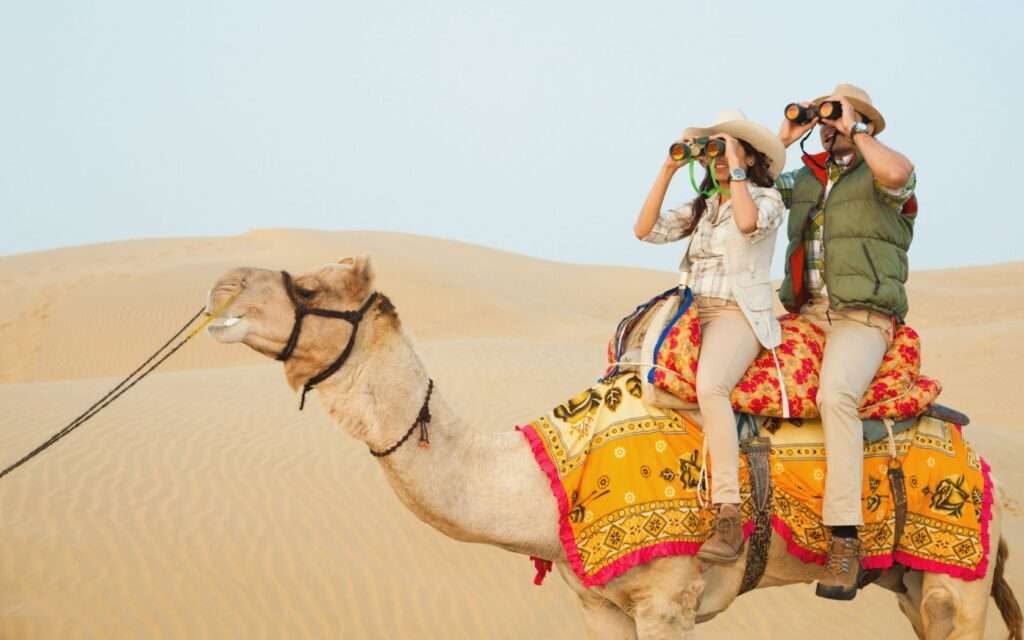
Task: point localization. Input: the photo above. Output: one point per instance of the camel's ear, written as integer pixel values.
(357, 275)
(362, 268)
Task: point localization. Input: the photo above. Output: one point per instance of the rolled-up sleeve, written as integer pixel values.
(671, 225)
(897, 198)
(784, 184)
(770, 210)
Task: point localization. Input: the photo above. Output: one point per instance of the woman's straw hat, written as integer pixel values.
(733, 122)
(860, 100)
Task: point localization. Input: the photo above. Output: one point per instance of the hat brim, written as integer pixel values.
(863, 107)
(752, 133)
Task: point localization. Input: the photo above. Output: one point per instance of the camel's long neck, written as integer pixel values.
(471, 486)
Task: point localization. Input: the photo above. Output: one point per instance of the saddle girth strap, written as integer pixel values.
(898, 487)
(898, 491)
(757, 450)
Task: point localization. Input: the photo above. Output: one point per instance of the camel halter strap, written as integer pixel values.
(301, 311)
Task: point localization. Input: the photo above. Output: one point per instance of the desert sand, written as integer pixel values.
(204, 505)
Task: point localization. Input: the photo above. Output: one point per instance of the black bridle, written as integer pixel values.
(301, 311)
(354, 318)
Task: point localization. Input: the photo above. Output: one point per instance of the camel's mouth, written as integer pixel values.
(228, 328)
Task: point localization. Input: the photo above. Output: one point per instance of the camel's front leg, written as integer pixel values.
(653, 601)
(605, 621)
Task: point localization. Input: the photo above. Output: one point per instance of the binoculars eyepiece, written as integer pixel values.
(799, 114)
(702, 147)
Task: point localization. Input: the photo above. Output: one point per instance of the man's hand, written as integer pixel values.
(790, 132)
(846, 120)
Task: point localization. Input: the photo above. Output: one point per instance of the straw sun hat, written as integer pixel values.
(733, 122)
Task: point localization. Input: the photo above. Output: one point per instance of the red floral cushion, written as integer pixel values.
(898, 390)
(799, 356)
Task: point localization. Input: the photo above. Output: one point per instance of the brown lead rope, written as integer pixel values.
(122, 386)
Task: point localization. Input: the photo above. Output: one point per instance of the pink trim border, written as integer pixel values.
(572, 554)
(664, 549)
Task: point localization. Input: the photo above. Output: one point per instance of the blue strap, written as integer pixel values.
(683, 307)
(626, 324)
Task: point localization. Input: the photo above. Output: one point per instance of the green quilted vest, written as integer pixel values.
(866, 244)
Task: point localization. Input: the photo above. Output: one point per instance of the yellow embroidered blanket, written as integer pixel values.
(626, 476)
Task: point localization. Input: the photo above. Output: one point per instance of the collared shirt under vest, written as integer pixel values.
(848, 237)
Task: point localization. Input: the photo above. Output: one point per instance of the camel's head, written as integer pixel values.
(262, 314)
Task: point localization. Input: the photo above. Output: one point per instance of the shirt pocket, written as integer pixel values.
(756, 296)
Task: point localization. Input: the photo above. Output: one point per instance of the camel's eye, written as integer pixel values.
(305, 294)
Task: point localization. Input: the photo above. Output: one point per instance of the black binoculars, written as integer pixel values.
(701, 147)
(799, 114)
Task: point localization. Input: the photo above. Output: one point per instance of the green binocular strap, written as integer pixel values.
(716, 188)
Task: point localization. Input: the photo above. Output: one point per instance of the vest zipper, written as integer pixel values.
(874, 271)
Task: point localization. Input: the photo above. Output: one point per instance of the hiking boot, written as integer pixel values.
(726, 541)
(842, 570)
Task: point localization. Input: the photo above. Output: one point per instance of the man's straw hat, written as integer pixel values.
(860, 100)
(733, 122)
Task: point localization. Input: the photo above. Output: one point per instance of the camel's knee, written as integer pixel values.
(939, 612)
(663, 617)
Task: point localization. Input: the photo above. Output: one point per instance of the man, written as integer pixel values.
(850, 225)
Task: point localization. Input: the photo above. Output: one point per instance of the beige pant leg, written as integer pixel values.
(853, 353)
(728, 347)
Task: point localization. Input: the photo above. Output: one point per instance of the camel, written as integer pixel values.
(371, 382)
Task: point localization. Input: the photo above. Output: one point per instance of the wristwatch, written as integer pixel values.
(858, 127)
(737, 175)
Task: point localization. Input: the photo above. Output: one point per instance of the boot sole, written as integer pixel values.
(712, 558)
(835, 593)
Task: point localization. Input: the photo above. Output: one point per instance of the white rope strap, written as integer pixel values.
(782, 385)
(888, 422)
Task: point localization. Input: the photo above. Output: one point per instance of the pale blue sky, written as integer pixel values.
(535, 127)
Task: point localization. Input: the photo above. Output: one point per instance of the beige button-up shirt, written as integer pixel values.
(708, 269)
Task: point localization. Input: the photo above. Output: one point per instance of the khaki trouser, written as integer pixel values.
(856, 342)
(728, 347)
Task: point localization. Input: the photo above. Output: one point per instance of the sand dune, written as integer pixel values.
(204, 504)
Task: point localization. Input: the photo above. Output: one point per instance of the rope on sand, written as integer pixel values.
(124, 385)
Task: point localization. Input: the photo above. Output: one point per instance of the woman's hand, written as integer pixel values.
(790, 131)
(732, 155)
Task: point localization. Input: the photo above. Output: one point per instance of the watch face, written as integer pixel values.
(738, 174)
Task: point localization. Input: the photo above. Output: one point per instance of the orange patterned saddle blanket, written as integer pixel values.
(662, 338)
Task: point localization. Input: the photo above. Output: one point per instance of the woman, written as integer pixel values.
(726, 265)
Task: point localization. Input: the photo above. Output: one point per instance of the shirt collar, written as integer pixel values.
(825, 169)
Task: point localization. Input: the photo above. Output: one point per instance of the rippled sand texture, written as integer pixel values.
(203, 504)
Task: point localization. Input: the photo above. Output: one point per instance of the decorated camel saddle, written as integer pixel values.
(661, 341)
(632, 485)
